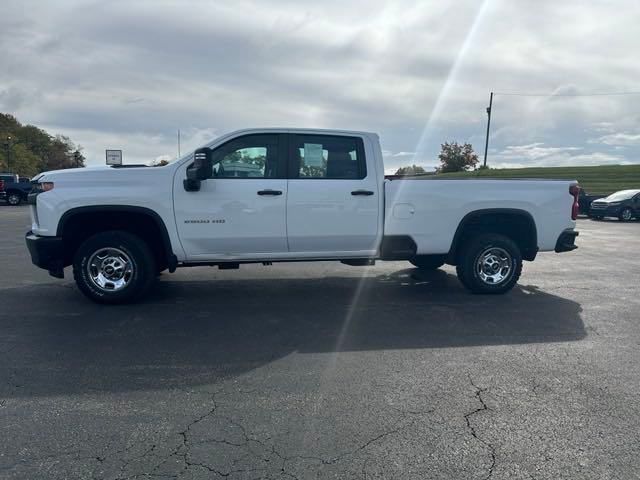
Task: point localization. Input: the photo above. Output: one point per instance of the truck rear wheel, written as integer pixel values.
(427, 262)
(114, 267)
(490, 264)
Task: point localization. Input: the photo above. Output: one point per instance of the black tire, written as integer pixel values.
(625, 215)
(596, 217)
(492, 245)
(427, 262)
(141, 262)
(14, 199)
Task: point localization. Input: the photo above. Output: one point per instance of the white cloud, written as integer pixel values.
(535, 151)
(537, 154)
(620, 139)
(132, 73)
(404, 154)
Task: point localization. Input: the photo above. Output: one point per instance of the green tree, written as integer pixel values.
(32, 150)
(457, 158)
(24, 161)
(411, 170)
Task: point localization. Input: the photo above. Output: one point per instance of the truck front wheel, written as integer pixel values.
(114, 267)
(491, 264)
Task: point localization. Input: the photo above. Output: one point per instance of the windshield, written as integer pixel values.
(621, 195)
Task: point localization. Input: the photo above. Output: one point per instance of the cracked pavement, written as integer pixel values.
(318, 371)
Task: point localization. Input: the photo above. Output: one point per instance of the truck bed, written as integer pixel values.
(430, 210)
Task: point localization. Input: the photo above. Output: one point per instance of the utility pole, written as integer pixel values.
(486, 142)
(178, 143)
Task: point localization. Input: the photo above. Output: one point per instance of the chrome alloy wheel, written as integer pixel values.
(494, 265)
(110, 269)
(627, 214)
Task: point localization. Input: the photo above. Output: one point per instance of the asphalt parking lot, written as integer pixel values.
(326, 371)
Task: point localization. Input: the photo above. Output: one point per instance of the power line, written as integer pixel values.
(602, 94)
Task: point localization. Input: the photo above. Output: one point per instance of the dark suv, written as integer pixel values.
(624, 204)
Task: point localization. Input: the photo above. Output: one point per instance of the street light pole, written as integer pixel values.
(7, 144)
(486, 142)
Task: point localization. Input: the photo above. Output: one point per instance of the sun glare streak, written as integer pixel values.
(328, 374)
(450, 81)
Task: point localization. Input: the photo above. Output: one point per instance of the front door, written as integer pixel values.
(239, 213)
(333, 198)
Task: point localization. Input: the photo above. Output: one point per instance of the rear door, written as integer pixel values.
(333, 197)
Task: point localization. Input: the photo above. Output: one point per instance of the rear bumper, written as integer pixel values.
(47, 253)
(567, 241)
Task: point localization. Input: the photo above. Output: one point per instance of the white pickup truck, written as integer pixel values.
(278, 195)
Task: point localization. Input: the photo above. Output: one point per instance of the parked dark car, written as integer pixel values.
(14, 189)
(624, 205)
(585, 199)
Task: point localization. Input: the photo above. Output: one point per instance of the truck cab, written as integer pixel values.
(309, 196)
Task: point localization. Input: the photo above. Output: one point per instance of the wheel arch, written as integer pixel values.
(514, 223)
(79, 223)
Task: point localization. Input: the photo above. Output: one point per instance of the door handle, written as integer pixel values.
(269, 192)
(362, 192)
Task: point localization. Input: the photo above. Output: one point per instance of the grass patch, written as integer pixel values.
(602, 179)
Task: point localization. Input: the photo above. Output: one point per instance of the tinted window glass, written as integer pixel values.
(323, 156)
(252, 156)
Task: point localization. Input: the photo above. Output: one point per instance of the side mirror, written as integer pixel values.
(201, 169)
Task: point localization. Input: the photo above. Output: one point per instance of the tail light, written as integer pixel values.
(574, 190)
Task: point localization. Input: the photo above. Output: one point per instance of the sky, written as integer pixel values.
(129, 74)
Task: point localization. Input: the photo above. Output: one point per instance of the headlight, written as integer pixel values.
(42, 187)
(614, 204)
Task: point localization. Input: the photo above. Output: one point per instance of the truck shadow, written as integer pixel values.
(190, 333)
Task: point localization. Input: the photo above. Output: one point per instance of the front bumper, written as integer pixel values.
(47, 253)
(605, 212)
(567, 241)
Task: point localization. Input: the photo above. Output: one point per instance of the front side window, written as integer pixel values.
(329, 157)
(252, 156)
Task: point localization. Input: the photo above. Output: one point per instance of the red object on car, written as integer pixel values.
(575, 207)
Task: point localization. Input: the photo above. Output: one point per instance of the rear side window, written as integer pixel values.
(328, 157)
